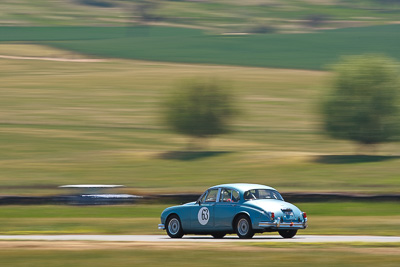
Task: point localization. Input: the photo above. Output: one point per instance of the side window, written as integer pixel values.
(235, 196)
(203, 197)
(226, 195)
(212, 195)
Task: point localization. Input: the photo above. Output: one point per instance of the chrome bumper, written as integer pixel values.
(161, 226)
(277, 224)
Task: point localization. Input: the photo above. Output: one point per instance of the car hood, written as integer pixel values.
(272, 205)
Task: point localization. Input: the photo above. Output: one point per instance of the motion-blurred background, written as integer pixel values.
(298, 95)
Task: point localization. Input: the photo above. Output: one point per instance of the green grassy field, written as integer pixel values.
(69, 122)
(292, 51)
(352, 218)
(100, 122)
(111, 254)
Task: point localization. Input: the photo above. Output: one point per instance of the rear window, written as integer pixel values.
(262, 194)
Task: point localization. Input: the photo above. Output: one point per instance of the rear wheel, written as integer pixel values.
(174, 227)
(287, 233)
(243, 227)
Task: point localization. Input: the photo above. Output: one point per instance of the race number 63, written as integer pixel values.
(203, 216)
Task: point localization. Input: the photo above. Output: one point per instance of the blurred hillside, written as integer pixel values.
(292, 51)
(65, 118)
(234, 16)
(262, 33)
(100, 122)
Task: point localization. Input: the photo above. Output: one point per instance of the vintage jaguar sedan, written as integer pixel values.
(244, 209)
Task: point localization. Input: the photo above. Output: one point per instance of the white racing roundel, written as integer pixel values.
(203, 216)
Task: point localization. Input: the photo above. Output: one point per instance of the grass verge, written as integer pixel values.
(128, 254)
(346, 218)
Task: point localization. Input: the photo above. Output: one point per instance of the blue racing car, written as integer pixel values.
(244, 209)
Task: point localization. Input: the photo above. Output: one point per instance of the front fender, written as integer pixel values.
(183, 213)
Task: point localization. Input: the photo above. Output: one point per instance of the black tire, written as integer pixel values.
(218, 235)
(174, 227)
(243, 227)
(287, 233)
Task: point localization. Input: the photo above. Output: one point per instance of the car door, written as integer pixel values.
(202, 216)
(225, 209)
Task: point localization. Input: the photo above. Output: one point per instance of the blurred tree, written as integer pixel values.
(388, 2)
(261, 29)
(144, 9)
(97, 3)
(200, 109)
(316, 20)
(363, 103)
(141, 12)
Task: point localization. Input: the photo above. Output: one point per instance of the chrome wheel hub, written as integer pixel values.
(243, 227)
(173, 226)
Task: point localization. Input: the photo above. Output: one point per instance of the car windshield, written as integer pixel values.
(262, 194)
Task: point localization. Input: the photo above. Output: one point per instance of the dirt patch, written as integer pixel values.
(85, 60)
(91, 245)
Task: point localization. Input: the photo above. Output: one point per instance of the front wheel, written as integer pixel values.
(174, 227)
(243, 227)
(287, 233)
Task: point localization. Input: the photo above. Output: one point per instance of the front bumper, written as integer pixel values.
(277, 224)
(161, 226)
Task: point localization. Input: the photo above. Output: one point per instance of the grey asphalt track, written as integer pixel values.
(194, 238)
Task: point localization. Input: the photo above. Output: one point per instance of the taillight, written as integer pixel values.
(304, 215)
(272, 216)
